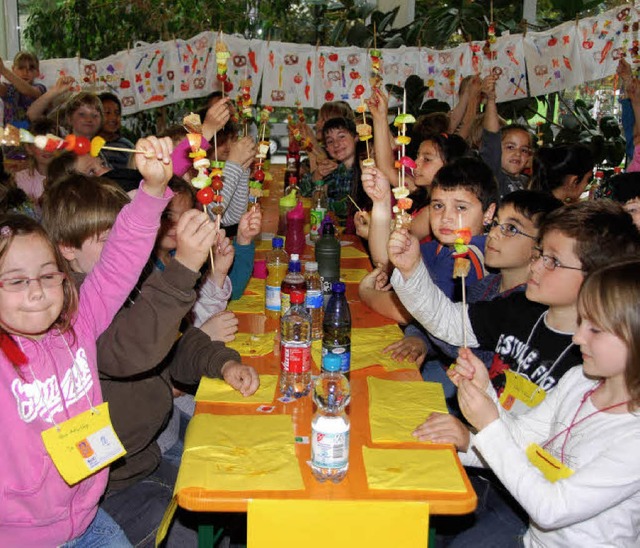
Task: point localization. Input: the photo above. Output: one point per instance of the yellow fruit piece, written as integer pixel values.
(96, 145)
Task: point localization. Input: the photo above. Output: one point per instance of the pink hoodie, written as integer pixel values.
(37, 507)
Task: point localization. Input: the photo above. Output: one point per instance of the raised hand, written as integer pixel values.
(468, 366)
(195, 234)
(325, 167)
(404, 252)
(476, 405)
(488, 86)
(408, 348)
(222, 257)
(440, 428)
(155, 164)
(362, 220)
(377, 279)
(243, 151)
(243, 378)
(222, 326)
(249, 226)
(215, 119)
(378, 105)
(376, 185)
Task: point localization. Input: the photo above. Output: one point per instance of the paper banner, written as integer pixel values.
(289, 75)
(246, 62)
(398, 64)
(195, 68)
(553, 59)
(111, 75)
(605, 39)
(53, 69)
(397, 408)
(154, 74)
(339, 71)
(218, 391)
(413, 469)
(443, 70)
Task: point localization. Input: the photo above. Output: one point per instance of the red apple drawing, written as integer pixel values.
(297, 78)
(147, 74)
(552, 41)
(329, 96)
(587, 44)
(333, 57)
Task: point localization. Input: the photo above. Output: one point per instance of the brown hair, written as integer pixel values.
(26, 58)
(603, 232)
(610, 299)
(82, 99)
(12, 225)
(78, 207)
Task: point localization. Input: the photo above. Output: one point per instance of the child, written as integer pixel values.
(507, 151)
(564, 171)
(590, 495)
(20, 91)
(135, 377)
(31, 180)
(84, 114)
(110, 131)
(625, 189)
(45, 323)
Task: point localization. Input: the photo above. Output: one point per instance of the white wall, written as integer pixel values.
(9, 39)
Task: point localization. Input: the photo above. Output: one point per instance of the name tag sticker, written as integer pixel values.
(520, 392)
(551, 467)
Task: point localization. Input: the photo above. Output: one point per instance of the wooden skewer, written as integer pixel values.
(350, 198)
(129, 150)
(204, 208)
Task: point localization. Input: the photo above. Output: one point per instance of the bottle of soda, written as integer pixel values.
(277, 260)
(295, 348)
(318, 209)
(328, 257)
(336, 327)
(330, 425)
(295, 242)
(313, 298)
(293, 280)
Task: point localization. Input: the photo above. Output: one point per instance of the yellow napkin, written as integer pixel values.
(396, 408)
(350, 252)
(218, 391)
(413, 469)
(263, 245)
(240, 453)
(247, 304)
(367, 344)
(256, 286)
(352, 275)
(247, 344)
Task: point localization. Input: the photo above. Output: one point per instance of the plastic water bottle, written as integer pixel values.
(328, 257)
(277, 261)
(336, 327)
(313, 298)
(330, 425)
(293, 280)
(318, 210)
(295, 348)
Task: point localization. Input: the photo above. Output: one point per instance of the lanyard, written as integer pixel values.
(574, 423)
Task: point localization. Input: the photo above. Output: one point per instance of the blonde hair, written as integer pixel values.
(610, 299)
(26, 58)
(82, 99)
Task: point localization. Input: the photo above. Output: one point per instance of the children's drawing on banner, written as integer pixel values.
(154, 74)
(246, 63)
(110, 75)
(397, 65)
(53, 69)
(605, 39)
(443, 70)
(553, 59)
(195, 67)
(289, 76)
(342, 75)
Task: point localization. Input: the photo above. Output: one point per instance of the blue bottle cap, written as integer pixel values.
(331, 362)
(277, 242)
(338, 287)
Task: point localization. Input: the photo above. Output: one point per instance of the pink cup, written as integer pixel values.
(260, 269)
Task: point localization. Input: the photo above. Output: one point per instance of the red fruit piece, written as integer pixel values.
(82, 146)
(258, 175)
(205, 195)
(228, 85)
(216, 183)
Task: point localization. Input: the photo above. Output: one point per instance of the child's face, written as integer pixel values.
(85, 121)
(632, 207)
(83, 259)
(558, 287)
(112, 117)
(603, 353)
(180, 203)
(510, 251)
(340, 144)
(31, 312)
(428, 163)
(453, 209)
(516, 151)
(41, 157)
(88, 165)
(26, 72)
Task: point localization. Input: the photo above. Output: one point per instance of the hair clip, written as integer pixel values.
(6, 232)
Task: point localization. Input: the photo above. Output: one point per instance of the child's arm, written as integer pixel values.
(216, 118)
(130, 241)
(24, 88)
(376, 185)
(475, 96)
(382, 138)
(235, 192)
(422, 298)
(457, 113)
(374, 292)
(42, 104)
(249, 227)
(491, 121)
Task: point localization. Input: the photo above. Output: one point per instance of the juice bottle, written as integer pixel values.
(277, 260)
(293, 280)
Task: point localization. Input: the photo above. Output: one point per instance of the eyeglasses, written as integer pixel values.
(525, 151)
(549, 262)
(15, 285)
(509, 230)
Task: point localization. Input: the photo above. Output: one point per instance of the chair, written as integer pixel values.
(337, 523)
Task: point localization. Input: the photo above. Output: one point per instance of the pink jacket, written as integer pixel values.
(37, 507)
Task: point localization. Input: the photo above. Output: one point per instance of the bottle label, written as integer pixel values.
(326, 284)
(313, 299)
(342, 350)
(295, 359)
(272, 298)
(316, 215)
(285, 303)
(330, 450)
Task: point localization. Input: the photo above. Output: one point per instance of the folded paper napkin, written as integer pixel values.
(396, 408)
(218, 391)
